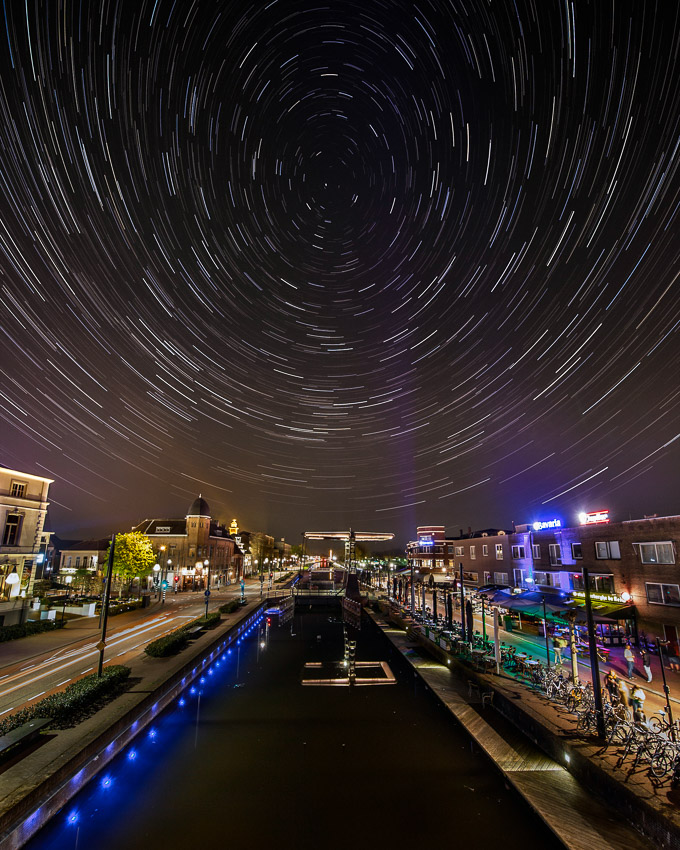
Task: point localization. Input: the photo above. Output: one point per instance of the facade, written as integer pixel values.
(484, 556)
(633, 565)
(190, 549)
(87, 555)
(23, 508)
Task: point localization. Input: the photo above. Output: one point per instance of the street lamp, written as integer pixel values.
(206, 564)
(157, 580)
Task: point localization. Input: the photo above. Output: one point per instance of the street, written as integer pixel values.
(35, 666)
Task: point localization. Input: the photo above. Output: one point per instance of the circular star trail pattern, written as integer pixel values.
(370, 263)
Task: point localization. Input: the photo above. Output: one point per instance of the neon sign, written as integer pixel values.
(551, 523)
(593, 517)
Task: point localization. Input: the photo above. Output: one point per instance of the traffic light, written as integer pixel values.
(176, 579)
(269, 622)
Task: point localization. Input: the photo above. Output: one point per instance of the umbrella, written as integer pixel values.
(434, 604)
(468, 617)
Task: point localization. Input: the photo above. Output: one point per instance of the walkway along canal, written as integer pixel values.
(249, 755)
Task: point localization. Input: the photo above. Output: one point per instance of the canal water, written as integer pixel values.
(253, 758)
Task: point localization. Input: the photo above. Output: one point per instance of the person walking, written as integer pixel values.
(558, 646)
(624, 693)
(630, 660)
(646, 663)
(637, 701)
(612, 684)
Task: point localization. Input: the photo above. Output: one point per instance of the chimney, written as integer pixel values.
(461, 533)
(469, 531)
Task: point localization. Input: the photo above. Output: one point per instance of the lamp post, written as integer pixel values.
(157, 579)
(594, 663)
(206, 563)
(666, 689)
(164, 583)
(545, 634)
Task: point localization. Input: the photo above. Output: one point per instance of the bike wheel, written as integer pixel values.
(656, 724)
(661, 764)
(574, 700)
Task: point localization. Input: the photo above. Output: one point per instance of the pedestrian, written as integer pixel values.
(612, 684)
(624, 693)
(557, 647)
(630, 660)
(646, 663)
(637, 701)
(673, 658)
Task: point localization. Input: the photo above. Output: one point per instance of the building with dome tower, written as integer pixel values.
(193, 548)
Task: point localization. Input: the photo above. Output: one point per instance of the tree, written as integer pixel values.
(133, 556)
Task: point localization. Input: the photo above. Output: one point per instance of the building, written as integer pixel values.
(484, 556)
(23, 508)
(190, 549)
(89, 555)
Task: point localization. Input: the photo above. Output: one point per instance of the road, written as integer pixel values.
(36, 666)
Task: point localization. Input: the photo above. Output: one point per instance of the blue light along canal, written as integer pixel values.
(249, 757)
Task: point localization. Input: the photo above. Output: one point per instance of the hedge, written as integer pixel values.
(230, 607)
(77, 696)
(122, 607)
(30, 627)
(167, 645)
(176, 641)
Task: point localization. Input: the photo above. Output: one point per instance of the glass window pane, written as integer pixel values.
(601, 551)
(614, 551)
(671, 594)
(665, 553)
(654, 593)
(648, 553)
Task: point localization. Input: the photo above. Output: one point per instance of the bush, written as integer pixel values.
(122, 607)
(209, 622)
(168, 644)
(230, 607)
(30, 627)
(77, 697)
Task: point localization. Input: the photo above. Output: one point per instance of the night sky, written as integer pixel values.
(366, 263)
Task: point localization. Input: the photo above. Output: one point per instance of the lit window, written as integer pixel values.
(485, 551)
(663, 594)
(657, 553)
(473, 553)
(499, 551)
(607, 550)
(460, 550)
(11, 534)
(555, 554)
(18, 489)
(536, 551)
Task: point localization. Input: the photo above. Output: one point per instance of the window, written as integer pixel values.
(657, 553)
(460, 550)
(663, 594)
(11, 534)
(518, 552)
(487, 578)
(607, 550)
(18, 489)
(499, 551)
(470, 577)
(84, 560)
(545, 579)
(576, 551)
(501, 578)
(485, 551)
(449, 549)
(473, 552)
(555, 554)
(536, 551)
(77, 561)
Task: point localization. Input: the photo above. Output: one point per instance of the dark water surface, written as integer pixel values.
(275, 764)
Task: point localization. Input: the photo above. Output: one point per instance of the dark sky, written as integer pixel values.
(366, 263)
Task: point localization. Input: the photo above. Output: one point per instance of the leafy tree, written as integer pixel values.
(133, 556)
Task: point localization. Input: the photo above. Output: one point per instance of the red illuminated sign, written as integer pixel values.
(594, 517)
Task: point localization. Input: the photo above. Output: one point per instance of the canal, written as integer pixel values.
(251, 757)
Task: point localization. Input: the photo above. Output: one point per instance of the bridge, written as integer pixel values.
(350, 538)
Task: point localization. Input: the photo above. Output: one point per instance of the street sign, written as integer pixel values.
(101, 646)
(207, 593)
(164, 585)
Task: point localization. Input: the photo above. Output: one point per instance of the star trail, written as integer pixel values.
(369, 263)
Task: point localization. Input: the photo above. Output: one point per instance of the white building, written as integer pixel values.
(23, 507)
